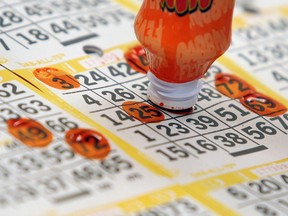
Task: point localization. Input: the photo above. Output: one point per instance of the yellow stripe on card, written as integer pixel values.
(239, 22)
(284, 10)
(127, 3)
(139, 203)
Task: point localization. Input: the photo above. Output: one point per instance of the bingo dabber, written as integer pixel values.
(182, 38)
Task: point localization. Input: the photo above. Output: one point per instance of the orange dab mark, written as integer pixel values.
(232, 86)
(56, 78)
(263, 105)
(88, 143)
(137, 59)
(30, 132)
(143, 111)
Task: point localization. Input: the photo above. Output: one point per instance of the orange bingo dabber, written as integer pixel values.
(182, 38)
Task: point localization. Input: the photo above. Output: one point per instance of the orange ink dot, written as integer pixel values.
(30, 132)
(263, 105)
(232, 86)
(56, 78)
(143, 111)
(137, 59)
(88, 143)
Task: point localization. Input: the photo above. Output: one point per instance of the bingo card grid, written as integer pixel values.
(67, 175)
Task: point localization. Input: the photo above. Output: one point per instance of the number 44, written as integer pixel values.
(64, 28)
